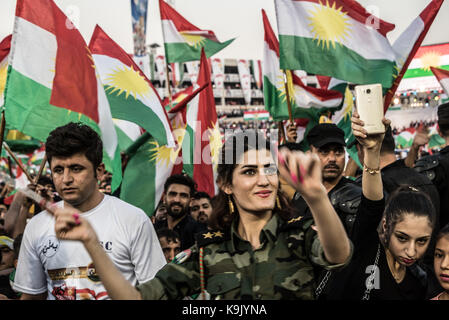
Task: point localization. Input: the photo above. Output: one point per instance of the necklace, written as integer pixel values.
(400, 274)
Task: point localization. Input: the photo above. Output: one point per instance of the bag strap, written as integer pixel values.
(370, 282)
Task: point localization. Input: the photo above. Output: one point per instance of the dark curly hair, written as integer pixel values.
(72, 138)
(405, 200)
(234, 147)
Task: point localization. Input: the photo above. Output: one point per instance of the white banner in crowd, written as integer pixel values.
(144, 64)
(401, 119)
(245, 79)
(192, 70)
(218, 72)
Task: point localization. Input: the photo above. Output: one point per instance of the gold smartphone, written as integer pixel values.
(369, 104)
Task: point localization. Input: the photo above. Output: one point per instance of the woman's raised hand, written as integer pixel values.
(303, 172)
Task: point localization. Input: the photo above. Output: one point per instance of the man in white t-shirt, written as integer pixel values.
(49, 268)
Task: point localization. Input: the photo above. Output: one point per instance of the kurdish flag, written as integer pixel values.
(202, 143)
(182, 40)
(443, 77)
(52, 80)
(131, 95)
(426, 57)
(335, 38)
(407, 45)
(307, 102)
(5, 46)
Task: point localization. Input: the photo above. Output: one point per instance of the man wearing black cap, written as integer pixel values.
(436, 166)
(328, 142)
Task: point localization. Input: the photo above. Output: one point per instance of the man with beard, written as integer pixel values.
(178, 191)
(201, 207)
(328, 142)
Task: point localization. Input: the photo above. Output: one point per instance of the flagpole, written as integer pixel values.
(168, 83)
(41, 168)
(5, 145)
(2, 130)
(287, 94)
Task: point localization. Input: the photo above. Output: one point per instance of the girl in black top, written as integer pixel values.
(388, 240)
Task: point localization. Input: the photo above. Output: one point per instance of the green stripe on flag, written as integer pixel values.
(314, 59)
(418, 72)
(183, 52)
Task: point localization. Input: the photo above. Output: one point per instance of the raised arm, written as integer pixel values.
(372, 187)
(303, 172)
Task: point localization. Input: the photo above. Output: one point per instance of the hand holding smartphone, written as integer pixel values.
(369, 105)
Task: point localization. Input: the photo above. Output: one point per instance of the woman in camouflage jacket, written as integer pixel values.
(255, 247)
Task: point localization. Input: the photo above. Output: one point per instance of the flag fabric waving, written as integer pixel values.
(337, 38)
(52, 80)
(443, 77)
(307, 102)
(131, 95)
(408, 43)
(202, 143)
(182, 40)
(5, 46)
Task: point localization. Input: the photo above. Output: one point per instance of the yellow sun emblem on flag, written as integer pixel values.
(164, 155)
(430, 59)
(126, 79)
(193, 40)
(3, 73)
(348, 104)
(281, 86)
(329, 24)
(215, 143)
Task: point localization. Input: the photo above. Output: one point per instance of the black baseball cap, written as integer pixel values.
(443, 113)
(325, 133)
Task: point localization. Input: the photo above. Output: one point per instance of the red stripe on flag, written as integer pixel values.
(270, 36)
(442, 49)
(5, 46)
(207, 116)
(75, 82)
(323, 81)
(181, 24)
(320, 94)
(38, 12)
(357, 12)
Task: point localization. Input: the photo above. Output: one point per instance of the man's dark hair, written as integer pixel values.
(200, 195)
(44, 180)
(170, 235)
(72, 138)
(388, 144)
(180, 179)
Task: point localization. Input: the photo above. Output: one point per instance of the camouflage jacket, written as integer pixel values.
(282, 268)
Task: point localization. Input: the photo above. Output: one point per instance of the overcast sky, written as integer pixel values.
(227, 18)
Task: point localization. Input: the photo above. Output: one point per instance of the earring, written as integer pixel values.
(278, 202)
(231, 205)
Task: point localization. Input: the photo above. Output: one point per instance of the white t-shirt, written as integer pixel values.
(65, 269)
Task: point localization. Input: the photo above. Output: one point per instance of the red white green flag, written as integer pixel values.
(443, 77)
(131, 95)
(337, 38)
(5, 46)
(306, 102)
(202, 143)
(410, 58)
(182, 40)
(57, 83)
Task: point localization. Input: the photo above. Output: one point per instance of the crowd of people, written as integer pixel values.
(329, 229)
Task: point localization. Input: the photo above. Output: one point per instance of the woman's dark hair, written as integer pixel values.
(405, 200)
(232, 150)
(72, 138)
(443, 232)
